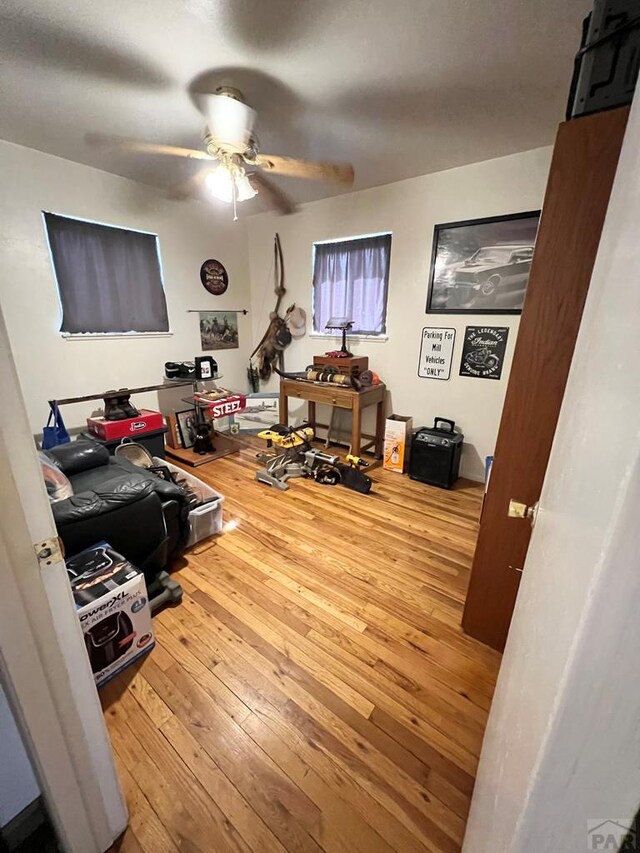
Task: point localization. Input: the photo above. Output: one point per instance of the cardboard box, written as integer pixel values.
(147, 421)
(397, 443)
(113, 608)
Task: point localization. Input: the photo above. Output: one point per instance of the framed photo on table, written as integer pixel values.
(481, 266)
(186, 422)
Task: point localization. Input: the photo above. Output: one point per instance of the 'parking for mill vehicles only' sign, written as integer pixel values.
(436, 352)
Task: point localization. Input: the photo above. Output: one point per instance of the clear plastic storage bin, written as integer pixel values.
(204, 520)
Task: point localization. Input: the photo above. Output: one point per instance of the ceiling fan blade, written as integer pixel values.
(275, 197)
(316, 170)
(122, 143)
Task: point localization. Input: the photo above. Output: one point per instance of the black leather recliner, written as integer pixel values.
(141, 516)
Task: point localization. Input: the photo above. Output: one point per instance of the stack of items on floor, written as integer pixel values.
(113, 609)
(150, 514)
(121, 520)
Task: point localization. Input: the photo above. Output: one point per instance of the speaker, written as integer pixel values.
(435, 454)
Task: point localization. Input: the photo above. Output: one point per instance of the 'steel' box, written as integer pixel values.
(397, 433)
(113, 608)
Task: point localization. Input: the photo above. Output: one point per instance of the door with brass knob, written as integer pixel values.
(583, 167)
(517, 509)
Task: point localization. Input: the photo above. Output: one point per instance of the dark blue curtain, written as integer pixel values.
(109, 279)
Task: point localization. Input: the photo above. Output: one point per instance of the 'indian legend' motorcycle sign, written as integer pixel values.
(483, 350)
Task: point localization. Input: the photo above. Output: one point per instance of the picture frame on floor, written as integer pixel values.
(172, 438)
(481, 266)
(261, 412)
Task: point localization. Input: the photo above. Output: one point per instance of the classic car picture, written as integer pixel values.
(482, 266)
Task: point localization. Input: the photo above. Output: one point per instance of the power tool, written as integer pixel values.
(297, 458)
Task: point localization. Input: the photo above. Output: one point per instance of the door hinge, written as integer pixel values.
(49, 552)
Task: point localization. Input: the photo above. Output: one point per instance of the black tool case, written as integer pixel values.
(435, 454)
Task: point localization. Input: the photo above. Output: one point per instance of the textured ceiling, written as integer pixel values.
(398, 87)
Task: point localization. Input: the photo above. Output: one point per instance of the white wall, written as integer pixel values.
(51, 367)
(189, 233)
(18, 785)
(562, 743)
(409, 209)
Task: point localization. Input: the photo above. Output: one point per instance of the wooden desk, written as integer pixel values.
(343, 398)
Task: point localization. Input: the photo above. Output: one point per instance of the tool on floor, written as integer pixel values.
(288, 461)
(297, 458)
(356, 461)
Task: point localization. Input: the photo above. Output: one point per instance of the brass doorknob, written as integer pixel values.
(517, 509)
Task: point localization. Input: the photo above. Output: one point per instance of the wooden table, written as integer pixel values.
(342, 398)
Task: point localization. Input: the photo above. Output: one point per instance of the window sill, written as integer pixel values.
(111, 336)
(374, 338)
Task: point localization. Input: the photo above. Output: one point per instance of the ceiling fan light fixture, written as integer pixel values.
(220, 183)
(245, 190)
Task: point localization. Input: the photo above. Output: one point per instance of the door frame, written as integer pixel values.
(43, 662)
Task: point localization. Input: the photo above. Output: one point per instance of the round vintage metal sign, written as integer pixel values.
(214, 277)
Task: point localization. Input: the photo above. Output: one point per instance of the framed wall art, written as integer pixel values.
(218, 330)
(482, 266)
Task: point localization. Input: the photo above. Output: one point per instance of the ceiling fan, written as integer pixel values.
(241, 170)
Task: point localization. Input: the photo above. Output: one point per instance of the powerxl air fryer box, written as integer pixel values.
(113, 608)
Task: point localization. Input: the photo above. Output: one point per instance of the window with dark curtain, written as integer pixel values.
(351, 279)
(109, 279)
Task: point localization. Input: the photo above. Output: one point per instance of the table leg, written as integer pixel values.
(379, 429)
(311, 415)
(356, 427)
(284, 406)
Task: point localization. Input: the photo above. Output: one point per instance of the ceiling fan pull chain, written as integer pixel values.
(234, 193)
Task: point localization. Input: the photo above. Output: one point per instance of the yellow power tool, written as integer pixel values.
(287, 440)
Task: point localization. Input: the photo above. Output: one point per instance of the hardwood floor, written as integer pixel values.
(314, 690)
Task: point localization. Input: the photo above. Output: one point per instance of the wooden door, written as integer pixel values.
(583, 166)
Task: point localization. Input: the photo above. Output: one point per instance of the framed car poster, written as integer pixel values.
(483, 350)
(436, 353)
(482, 266)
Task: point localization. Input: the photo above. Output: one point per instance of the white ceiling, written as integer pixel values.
(398, 87)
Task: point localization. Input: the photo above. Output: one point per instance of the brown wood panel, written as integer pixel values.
(314, 691)
(333, 395)
(340, 397)
(584, 163)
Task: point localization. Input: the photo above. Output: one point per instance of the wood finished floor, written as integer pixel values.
(314, 691)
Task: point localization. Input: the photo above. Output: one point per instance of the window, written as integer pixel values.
(108, 278)
(350, 279)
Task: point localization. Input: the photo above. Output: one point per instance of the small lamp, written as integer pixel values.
(344, 325)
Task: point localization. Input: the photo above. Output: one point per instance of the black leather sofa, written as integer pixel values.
(142, 516)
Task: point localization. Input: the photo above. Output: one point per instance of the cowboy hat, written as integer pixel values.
(296, 321)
